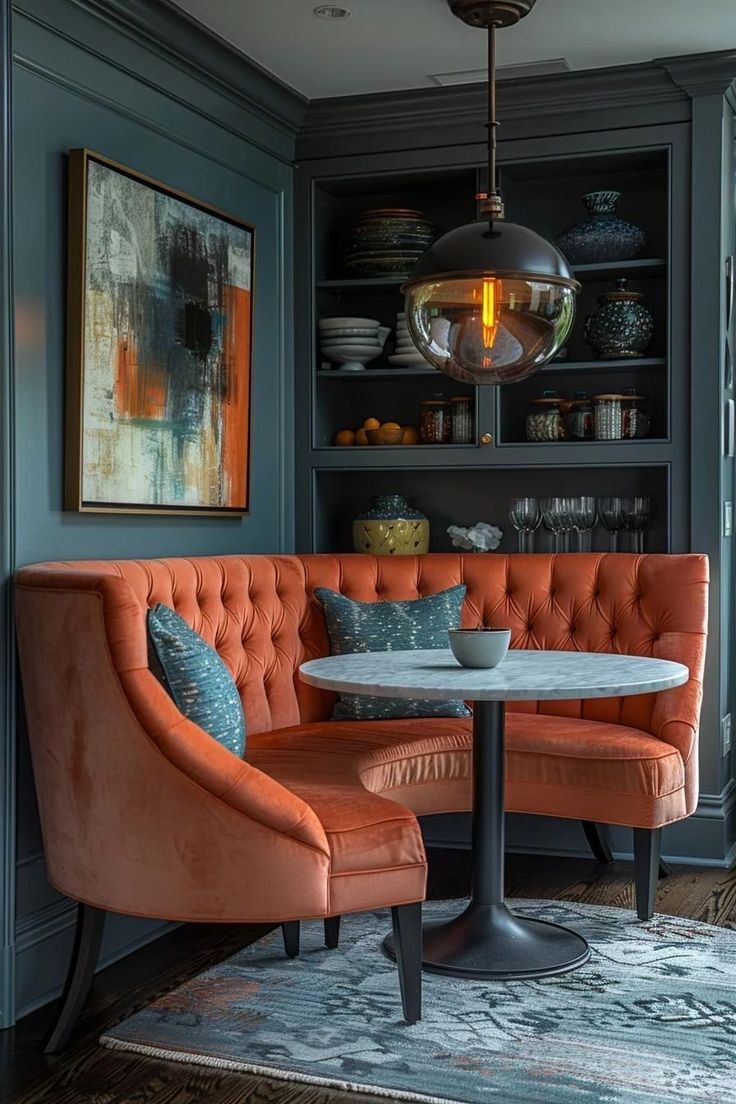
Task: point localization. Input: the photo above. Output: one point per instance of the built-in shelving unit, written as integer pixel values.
(468, 482)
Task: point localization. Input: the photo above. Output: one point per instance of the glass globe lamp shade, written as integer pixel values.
(490, 303)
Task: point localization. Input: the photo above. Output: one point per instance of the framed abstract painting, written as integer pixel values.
(159, 347)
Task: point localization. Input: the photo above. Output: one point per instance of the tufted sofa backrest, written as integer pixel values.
(261, 615)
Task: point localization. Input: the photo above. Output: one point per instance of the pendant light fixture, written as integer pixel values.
(490, 302)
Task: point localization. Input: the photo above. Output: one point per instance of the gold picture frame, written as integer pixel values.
(159, 347)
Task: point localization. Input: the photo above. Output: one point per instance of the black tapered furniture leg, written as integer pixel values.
(332, 932)
(407, 922)
(86, 952)
(290, 931)
(597, 842)
(647, 844)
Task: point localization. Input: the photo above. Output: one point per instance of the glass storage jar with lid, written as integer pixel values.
(435, 425)
(545, 421)
(579, 417)
(462, 419)
(608, 417)
(636, 416)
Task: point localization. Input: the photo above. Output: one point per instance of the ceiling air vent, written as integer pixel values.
(332, 11)
(504, 72)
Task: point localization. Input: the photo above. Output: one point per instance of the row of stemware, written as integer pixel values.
(576, 516)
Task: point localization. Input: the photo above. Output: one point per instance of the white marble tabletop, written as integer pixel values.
(522, 675)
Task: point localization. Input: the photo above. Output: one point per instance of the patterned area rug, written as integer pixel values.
(651, 1018)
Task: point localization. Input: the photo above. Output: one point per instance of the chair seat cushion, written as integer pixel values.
(559, 766)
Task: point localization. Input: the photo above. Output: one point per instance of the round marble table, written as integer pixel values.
(487, 940)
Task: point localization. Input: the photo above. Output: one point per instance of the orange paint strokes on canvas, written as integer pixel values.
(236, 397)
(140, 390)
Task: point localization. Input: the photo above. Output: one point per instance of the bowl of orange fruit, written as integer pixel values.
(374, 432)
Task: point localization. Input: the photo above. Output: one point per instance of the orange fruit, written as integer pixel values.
(371, 423)
(361, 438)
(410, 435)
(345, 437)
(390, 425)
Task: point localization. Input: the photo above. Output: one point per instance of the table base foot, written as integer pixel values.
(489, 941)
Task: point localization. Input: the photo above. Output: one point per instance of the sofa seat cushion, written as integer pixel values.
(559, 766)
(365, 831)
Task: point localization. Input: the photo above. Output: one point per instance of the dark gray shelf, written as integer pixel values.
(625, 364)
(513, 454)
(376, 373)
(556, 366)
(363, 283)
(641, 266)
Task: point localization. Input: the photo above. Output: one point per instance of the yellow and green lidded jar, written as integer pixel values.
(391, 527)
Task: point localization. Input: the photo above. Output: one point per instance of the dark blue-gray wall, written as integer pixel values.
(224, 133)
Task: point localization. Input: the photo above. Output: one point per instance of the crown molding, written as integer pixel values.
(562, 100)
(174, 35)
(702, 74)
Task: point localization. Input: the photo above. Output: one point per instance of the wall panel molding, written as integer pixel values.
(172, 33)
(7, 536)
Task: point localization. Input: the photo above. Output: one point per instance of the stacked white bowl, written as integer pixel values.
(352, 342)
(406, 355)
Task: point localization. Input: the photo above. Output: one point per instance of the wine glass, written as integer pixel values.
(635, 514)
(557, 520)
(525, 517)
(610, 511)
(583, 514)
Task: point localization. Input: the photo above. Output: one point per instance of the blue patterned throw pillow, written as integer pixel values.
(196, 678)
(391, 627)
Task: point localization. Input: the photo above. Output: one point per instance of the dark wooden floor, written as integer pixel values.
(90, 1074)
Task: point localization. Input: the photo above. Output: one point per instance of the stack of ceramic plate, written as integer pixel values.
(387, 241)
(352, 342)
(406, 355)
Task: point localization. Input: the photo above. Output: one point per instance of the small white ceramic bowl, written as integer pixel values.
(352, 358)
(479, 647)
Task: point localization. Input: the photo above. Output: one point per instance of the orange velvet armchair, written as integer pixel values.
(142, 813)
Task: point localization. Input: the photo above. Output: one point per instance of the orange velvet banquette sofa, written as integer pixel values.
(143, 813)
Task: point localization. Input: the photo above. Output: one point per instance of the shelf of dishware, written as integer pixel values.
(581, 507)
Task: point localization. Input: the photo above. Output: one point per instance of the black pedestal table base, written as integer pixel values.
(487, 940)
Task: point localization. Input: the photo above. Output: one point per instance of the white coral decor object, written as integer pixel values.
(481, 537)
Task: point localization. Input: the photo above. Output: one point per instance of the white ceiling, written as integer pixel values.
(393, 44)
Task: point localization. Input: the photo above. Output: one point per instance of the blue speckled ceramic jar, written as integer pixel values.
(605, 236)
(621, 327)
(391, 527)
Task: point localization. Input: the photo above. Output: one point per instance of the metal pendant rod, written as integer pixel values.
(492, 121)
(493, 206)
